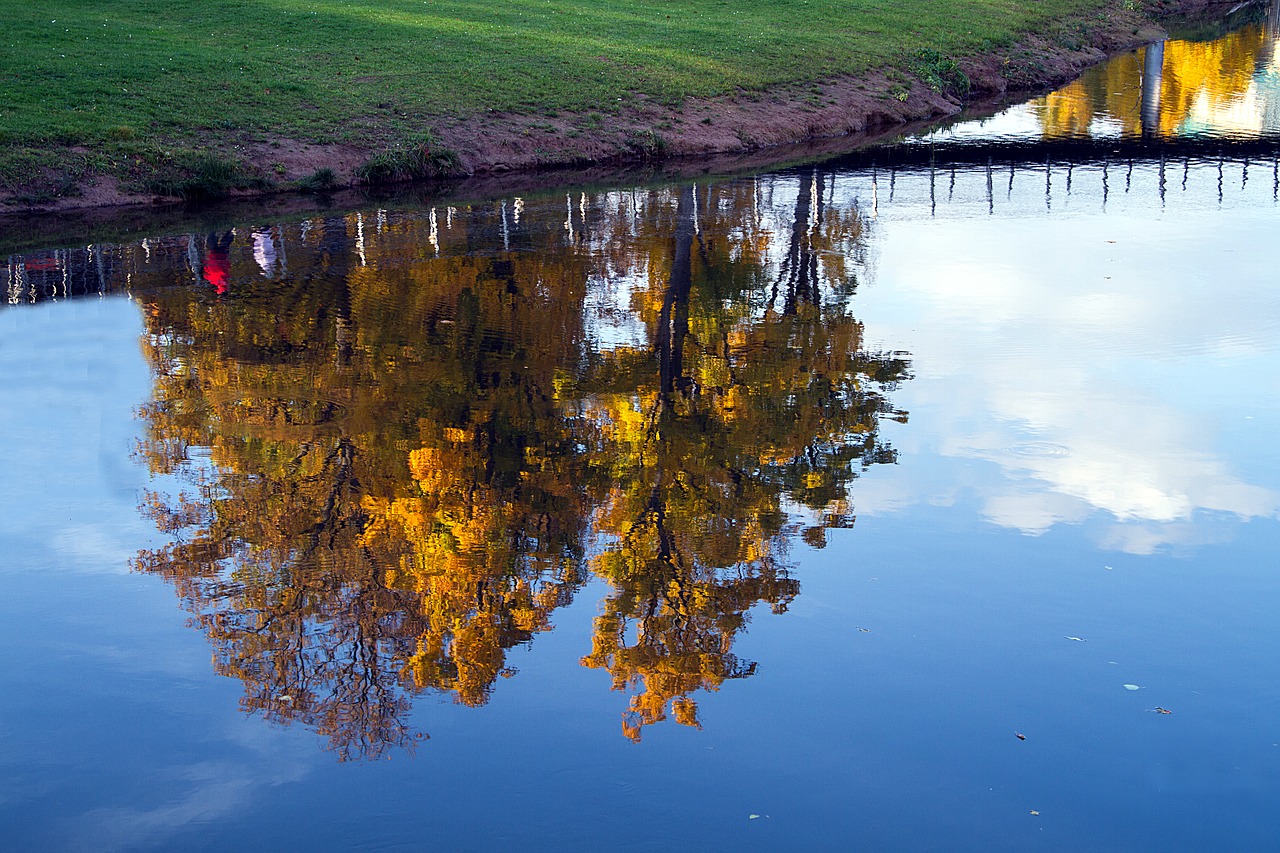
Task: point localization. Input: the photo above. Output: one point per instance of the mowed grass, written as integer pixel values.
(110, 75)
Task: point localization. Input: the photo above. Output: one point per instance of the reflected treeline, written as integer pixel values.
(1226, 86)
(410, 438)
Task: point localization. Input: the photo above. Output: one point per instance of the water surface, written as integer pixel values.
(923, 503)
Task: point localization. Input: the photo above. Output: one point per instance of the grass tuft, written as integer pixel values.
(418, 159)
(646, 144)
(202, 175)
(940, 72)
(319, 181)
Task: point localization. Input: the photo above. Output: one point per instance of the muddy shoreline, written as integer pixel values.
(740, 131)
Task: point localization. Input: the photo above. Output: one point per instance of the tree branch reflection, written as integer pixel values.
(405, 452)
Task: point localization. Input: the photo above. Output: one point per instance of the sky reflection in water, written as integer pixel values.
(997, 442)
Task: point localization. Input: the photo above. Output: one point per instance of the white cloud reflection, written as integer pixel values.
(1082, 367)
(199, 794)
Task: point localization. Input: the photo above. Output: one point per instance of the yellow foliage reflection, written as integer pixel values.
(1172, 89)
(406, 448)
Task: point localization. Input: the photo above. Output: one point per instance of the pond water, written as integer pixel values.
(924, 498)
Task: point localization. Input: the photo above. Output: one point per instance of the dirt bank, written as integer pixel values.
(845, 107)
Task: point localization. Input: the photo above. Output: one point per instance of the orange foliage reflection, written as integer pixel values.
(408, 448)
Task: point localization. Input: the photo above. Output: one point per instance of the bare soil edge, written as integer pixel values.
(755, 123)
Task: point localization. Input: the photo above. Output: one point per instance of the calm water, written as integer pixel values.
(885, 503)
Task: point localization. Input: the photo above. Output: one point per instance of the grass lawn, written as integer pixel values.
(113, 79)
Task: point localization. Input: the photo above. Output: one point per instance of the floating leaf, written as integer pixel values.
(1132, 687)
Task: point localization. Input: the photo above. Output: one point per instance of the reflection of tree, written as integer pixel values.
(1207, 76)
(735, 409)
(403, 463)
(383, 509)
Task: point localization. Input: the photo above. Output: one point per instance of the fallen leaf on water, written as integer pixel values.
(1019, 735)
(1132, 687)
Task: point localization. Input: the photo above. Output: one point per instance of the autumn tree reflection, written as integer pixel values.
(381, 506)
(750, 395)
(406, 453)
(1196, 84)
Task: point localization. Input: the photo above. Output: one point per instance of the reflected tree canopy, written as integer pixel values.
(410, 443)
(1176, 88)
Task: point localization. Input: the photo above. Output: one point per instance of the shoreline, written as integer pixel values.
(838, 112)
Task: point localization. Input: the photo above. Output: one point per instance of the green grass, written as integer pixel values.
(202, 175)
(105, 74)
(420, 158)
(939, 72)
(320, 181)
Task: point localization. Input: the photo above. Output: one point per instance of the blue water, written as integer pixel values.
(1084, 501)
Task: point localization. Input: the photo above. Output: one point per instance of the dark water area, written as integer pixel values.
(924, 497)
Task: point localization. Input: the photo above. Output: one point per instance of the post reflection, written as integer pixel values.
(407, 448)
